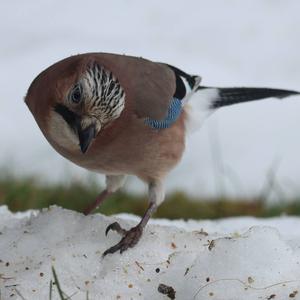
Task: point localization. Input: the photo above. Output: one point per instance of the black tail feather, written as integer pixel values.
(229, 96)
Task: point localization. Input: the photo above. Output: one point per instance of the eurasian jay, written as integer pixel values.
(121, 115)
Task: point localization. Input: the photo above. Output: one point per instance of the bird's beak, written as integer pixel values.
(86, 136)
(74, 120)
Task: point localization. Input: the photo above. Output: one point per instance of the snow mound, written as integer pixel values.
(219, 260)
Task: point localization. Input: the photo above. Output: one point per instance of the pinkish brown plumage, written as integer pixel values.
(121, 115)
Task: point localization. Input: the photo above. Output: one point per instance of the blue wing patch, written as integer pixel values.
(174, 112)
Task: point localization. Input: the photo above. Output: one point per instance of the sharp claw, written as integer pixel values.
(109, 227)
(116, 227)
(106, 252)
(111, 250)
(122, 249)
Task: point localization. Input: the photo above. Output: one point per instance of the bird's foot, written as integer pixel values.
(129, 240)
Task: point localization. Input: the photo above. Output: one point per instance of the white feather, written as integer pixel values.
(61, 133)
(189, 91)
(199, 108)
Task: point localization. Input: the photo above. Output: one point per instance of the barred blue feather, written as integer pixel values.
(174, 111)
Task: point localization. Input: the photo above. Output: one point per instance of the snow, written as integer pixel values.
(230, 259)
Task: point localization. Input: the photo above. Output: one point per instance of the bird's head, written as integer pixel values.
(73, 100)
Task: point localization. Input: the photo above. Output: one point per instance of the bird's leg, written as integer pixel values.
(132, 236)
(113, 183)
(97, 202)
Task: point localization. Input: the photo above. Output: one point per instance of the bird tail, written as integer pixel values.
(230, 96)
(206, 100)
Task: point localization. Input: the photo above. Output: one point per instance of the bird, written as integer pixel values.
(122, 115)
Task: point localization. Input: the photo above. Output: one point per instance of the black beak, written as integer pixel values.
(86, 136)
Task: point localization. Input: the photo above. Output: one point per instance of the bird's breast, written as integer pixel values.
(135, 148)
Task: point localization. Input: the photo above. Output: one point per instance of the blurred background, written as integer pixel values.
(244, 160)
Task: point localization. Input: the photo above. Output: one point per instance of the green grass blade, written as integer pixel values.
(60, 292)
(50, 290)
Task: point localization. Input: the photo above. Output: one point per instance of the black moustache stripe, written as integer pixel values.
(69, 116)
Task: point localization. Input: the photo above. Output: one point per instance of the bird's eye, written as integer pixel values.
(76, 94)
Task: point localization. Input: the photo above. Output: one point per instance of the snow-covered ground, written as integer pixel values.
(232, 259)
(236, 43)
